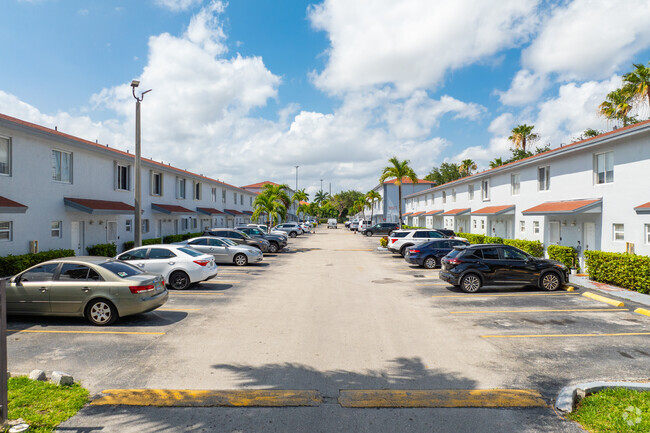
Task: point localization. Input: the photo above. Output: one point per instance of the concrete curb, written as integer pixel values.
(617, 292)
(569, 396)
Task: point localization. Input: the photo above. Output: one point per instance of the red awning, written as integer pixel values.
(99, 207)
(209, 211)
(644, 208)
(416, 213)
(434, 212)
(10, 206)
(565, 207)
(233, 212)
(407, 214)
(456, 212)
(494, 210)
(170, 209)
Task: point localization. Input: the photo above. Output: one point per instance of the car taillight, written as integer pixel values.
(202, 262)
(393, 240)
(454, 261)
(414, 251)
(139, 289)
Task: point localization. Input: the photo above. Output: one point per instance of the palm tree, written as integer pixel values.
(320, 197)
(523, 134)
(616, 106)
(268, 204)
(373, 196)
(279, 193)
(401, 171)
(299, 196)
(637, 83)
(466, 167)
(361, 203)
(497, 162)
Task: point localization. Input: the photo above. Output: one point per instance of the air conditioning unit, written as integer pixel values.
(33, 247)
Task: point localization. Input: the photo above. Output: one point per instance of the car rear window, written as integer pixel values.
(399, 234)
(121, 269)
(190, 252)
(454, 253)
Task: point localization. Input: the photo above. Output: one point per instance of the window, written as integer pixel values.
(181, 188)
(241, 198)
(482, 224)
(56, 229)
(234, 198)
(128, 225)
(522, 226)
(74, 272)
(202, 241)
(513, 254)
(161, 253)
(5, 156)
(122, 177)
(184, 224)
(647, 234)
(223, 196)
(40, 273)
(156, 183)
(444, 197)
(214, 195)
(453, 195)
(485, 190)
(139, 254)
(474, 223)
(6, 232)
(543, 178)
(619, 232)
(604, 167)
(250, 201)
(197, 191)
(514, 184)
(470, 191)
(61, 166)
(145, 226)
(195, 223)
(490, 254)
(121, 269)
(536, 227)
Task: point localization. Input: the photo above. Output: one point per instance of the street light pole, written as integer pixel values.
(321, 185)
(137, 235)
(297, 177)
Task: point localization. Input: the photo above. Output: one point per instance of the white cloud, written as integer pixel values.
(526, 88)
(411, 43)
(178, 5)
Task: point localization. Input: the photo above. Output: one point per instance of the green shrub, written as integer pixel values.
(566, 255)
(104, 250)
(534, 248)
(129, 244)
(405, 227)
(11, 265)
(493, 240)
(383, 241)
(623, 270)
(472, 238)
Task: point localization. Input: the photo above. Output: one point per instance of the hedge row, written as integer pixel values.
(105, 250)
(11, 265)
(566, 255)
(129, 244)
(534, 248)
(622, 270)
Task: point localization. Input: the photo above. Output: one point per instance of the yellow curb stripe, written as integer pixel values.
(621, 334)
(502, 295)
(177, 309)
(569, 288)
(642, 311)
(207, 398)
(602, 299)
(540, 311)
(222, 281)
(446, 398)
(53, 331)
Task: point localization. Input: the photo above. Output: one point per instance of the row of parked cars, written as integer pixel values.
(102, 289)
(471, 267)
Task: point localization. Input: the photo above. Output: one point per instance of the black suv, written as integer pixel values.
(276, 242)
(380, 229)
(489, 264)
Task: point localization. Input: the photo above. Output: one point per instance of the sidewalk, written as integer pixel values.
(630, 295)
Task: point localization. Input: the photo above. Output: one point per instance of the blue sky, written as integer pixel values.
(335, 86)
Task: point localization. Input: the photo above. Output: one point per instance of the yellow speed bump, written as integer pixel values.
(441, 398)
(642, 311)
(602, 299)
(569, 288)
(206, 398)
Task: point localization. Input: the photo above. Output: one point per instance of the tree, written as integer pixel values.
(279, 192)
(344, 200)
(636, 84)
(400, 170)
(466, 167)
(373, 196)
(299, 196)
(497, 162)
(617, 106)
(360, 204)
(522, 135)
(447, 172)
(268, 204)
(320, 197)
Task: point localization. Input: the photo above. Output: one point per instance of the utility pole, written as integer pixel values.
(321, 185)
(137, 235)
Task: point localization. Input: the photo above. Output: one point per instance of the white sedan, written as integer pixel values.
(179, 266)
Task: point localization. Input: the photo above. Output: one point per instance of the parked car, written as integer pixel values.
(363, 225)
(239, 237)
(276, 243)
(180, 266)
(347, 224)
(226, 251)
(332, 223)
(101, 289)
(400, 240)
(292, 229)
(354, 225)
(486, 264)
(380, 229)
(430, 253)
(265, 229)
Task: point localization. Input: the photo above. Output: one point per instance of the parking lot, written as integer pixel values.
(332, 315)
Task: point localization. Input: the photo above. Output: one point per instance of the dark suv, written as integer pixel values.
(490, 264)
(380, 229)
(430, 253)
(239, 237)
(276, 242)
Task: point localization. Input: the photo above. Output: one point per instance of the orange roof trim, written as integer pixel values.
(434, 212)
(494, 210)
(563, 207)
(409, 181)
(455, 212)
(644, 208)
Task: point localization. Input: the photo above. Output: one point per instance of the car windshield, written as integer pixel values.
(121, 269)
(191, 252)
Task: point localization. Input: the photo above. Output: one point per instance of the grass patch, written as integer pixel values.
(614, 410)
(43, 405)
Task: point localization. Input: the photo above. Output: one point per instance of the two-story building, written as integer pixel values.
(591, 195)
(61, 191)
(387, 209)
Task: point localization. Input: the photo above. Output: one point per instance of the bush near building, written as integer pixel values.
(566, 255)
(104, 250)
(623, 270)
(129, 244)
(534, 248)
(11, 265)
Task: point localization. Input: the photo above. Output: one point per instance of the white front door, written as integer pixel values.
(77, 237)
(590, 236)
(554, 233)
(111, 232)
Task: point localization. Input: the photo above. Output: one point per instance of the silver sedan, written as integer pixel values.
(226, 251)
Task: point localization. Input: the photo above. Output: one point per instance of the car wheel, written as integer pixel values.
(550, 281)
(470, 283)
(274, 247)
(430, 262)
(101, 312)
(402, 251)
(368, 233)
(240, 259)
(179, 280)
(293, 234)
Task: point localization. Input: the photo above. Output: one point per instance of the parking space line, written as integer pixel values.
(642, 311)
(620, 334)
(540, 311)
(54, 331)
(233, 273)
(433, 284)
(447, 398)
(355, 249)
(206, 398)
(197, 293)
(467, 296)
(222, 281)
(177, 309)
(599, 298)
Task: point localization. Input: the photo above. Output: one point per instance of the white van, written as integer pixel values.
(364, 224)
(331, 223)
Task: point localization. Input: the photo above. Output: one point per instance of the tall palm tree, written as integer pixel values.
(616, 106)
(299, 196)
(361, 203)
(637, 82)
(401, 171)
(497, 162)
(373, 196)
(522, 135)
(320, 197)
(269, 205)
(466, 167)
(279, 193)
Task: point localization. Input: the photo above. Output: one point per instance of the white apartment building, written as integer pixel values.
(66, 192)
(592, 194)
(387, 209)
(292, 210)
